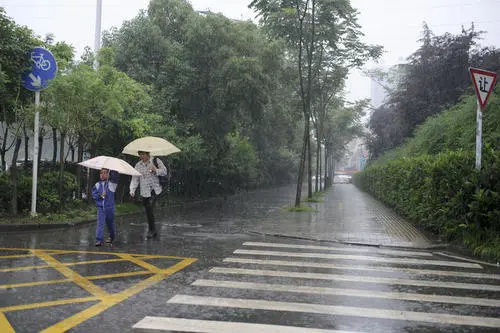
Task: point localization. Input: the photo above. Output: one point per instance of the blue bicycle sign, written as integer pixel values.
(39, 61)
(44, 69)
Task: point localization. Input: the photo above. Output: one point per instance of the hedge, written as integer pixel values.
(444, 194)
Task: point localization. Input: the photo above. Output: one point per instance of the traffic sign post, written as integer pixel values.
(43, 70)
(484, 82)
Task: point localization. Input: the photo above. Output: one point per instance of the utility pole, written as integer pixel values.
(97, 37)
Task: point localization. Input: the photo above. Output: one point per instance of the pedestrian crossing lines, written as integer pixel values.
(284, 287)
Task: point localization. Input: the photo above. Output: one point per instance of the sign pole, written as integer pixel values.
(43, 70)
(484, 82)
(479, 136)
(35, 155)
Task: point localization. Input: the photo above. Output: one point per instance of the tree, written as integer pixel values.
(322, 35)
(15, 44)
(100, 110)
(435, 77)
(214, 81)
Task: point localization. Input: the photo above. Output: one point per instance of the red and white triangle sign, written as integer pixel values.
(484, 82)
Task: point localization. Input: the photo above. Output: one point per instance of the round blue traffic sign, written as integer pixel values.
(44, 69)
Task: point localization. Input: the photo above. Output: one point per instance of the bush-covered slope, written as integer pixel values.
(431, 179)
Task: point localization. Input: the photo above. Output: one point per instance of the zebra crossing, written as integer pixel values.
(284, 287)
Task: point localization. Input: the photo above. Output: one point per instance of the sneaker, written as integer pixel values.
(109, 240)
(99, 243)
(151, 234)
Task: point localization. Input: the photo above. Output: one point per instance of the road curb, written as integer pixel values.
(41, 226)
(336, 241)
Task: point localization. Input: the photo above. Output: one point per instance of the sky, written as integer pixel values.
(394, 24)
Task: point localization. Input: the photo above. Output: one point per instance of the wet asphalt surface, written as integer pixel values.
(242, 264)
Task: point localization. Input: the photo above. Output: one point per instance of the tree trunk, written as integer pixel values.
(61, 164)
(26, 147)
(79, 167)
(319, 184)
(309, 165)
(40, 148)
(318, 163)
(327, 166)
(13, 176)
(302, 163)
(4, 146)
(54, 144)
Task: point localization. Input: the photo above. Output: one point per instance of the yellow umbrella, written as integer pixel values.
(151, 144)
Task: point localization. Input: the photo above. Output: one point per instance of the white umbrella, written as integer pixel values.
(111, 163)
(151, 144)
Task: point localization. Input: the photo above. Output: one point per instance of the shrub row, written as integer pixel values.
(48, 198)
(444, 194)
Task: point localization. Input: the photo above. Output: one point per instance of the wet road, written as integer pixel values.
(244, 265)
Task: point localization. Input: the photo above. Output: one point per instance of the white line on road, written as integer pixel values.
(355, 278)
(363, 268)
(212, 326)
(341, 249)
(403, 261)
(438, 318)
(347, 292)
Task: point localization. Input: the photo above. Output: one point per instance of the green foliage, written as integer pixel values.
(126, 208)
(15, 43)
(239, 165)
(210, 77)
(435, 78)
(444, 194)
(299, 209)
(48, 199)
(431, 178)
(48, 195)
(5, 190)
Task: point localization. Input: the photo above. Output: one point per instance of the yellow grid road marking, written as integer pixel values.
(102, 261)
(5, 325)
(14, 269)
(36, 283)
(106, 300)
(141, 263)
(115, 299)
(47, 304)
(15, 256)
(70, 274)
(110, 276)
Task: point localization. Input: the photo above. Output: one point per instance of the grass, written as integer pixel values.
(317, 197)
(300, 208)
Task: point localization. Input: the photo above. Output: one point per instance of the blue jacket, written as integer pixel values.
(108, 186)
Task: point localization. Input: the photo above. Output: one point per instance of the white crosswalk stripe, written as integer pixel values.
(213, 326)
(404, 261)
(348, 292)
(384, 287)
(370, 250)
(363, 268)
(354, 278)
(439, 318)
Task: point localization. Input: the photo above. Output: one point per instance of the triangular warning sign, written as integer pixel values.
(484, 82)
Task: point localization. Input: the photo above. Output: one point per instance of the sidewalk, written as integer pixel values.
(346, 215)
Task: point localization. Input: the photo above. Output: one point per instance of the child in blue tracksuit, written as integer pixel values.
(103, 193)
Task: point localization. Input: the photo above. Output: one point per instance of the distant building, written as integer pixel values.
(378, 94)
(47, 148)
